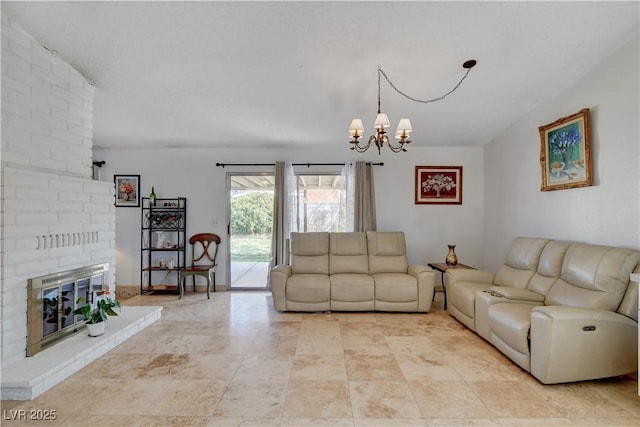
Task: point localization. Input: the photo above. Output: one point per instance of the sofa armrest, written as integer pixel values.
(278, 277)
(416, 269)
(574, 344)
(516, 294)
(468, 275)
(426, 278)
(486, 298)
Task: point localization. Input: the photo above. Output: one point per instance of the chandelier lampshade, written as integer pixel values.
(356, 130)
(382, 120)
(404, 129)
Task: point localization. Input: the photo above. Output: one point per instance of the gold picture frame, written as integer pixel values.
(565, 152)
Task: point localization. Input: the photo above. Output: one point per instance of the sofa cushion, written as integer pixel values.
(521, 262)
(348, 253)
(395, 287)
(593, 276)
(310, 253)
(352, 287)
(308, 288)
(387, 252)
(511, 323)
(549, 266)
(513, 277)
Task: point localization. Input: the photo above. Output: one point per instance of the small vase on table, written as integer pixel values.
(452, 258)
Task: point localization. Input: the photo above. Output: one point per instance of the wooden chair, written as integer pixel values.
(204, 250)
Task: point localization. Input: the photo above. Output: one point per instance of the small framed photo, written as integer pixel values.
(127, 190)
(565, 152)
(438, 185)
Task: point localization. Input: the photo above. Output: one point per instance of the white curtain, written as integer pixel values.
(360, 196)
(348, 194)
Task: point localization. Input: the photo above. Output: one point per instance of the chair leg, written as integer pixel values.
(193, 280)
(181, 285)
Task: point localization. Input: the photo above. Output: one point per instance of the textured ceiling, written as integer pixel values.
(289, 74)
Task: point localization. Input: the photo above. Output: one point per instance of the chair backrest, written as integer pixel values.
(310, 253)
(348, 253)
(521, 262)
(387, 252)
(204, 248)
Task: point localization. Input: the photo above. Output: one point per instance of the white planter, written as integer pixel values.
(96, 329)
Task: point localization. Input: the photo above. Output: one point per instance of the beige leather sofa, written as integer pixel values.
(563, 311)
(351, 272)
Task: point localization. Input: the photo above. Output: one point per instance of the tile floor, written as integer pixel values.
(234, 361)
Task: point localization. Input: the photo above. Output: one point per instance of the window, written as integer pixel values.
(320, 203)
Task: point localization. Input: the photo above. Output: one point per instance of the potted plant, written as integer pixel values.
(96, 316)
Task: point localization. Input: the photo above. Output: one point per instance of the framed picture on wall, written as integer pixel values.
(438, 185)
(565, 152)
(127, 190)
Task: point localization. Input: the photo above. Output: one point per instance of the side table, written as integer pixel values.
(442, 268)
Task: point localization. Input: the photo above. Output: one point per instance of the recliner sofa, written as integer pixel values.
(351, 271)
(563, 311)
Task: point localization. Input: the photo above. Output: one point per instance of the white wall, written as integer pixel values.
(605, 213)
(54, 216)
(502, 197)
(192, 173)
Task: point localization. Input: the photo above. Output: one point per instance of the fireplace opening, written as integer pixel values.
(52, 300)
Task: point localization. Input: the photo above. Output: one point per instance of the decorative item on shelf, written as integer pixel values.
(403, 132)
(452, 258)
(96, 316)
(152, 197)
(160, 239)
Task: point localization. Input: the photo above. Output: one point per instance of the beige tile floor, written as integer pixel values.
(234, 361)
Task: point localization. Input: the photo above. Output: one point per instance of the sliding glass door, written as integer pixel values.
(250, 208)
(319, 206)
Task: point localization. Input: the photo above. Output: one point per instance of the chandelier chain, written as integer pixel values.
(427, 101)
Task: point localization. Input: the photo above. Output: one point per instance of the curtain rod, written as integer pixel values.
(294, 164)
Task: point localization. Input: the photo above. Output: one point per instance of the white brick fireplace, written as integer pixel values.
(55, 217)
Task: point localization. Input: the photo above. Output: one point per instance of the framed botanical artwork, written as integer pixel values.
(565, 152)
(127, 190)
(438, 185)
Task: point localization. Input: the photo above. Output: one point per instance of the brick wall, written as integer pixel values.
(54, 216)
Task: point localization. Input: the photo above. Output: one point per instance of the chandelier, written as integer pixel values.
(404, 129)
